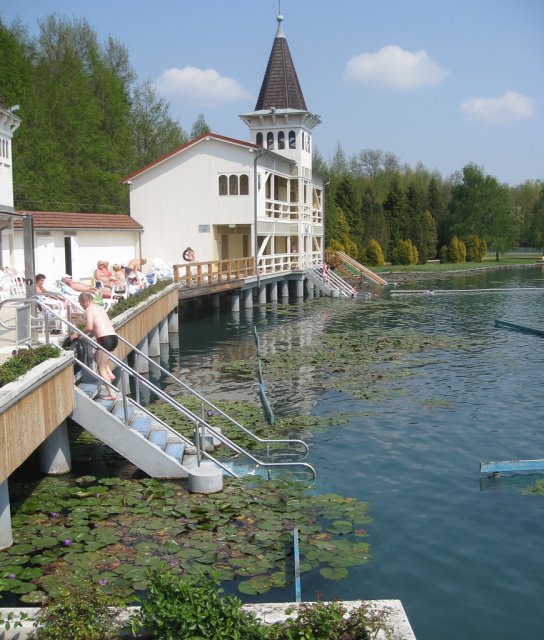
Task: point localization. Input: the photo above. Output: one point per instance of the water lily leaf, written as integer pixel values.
(34, 598)
(255, 585)
(20, 549)
(85, 480)
(22, 587)
(336, 573)
(340, 527)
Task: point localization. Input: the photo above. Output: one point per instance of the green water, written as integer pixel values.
(463, 553)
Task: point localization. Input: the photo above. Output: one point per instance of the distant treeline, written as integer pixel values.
(371, 197)
(88, 122)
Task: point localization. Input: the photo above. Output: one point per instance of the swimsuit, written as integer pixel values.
(108, 342)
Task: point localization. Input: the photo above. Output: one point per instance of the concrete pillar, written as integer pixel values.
(310, 290)
(262, 294)
(165, 355)
(6, 536)
(154, 348)
(285, 288)
(163, 331)
(216, 301)
(300, 287)
(273, 292)
(142, 365)
(55, 458)
(173, 321)
(234, 300)
(248, 298)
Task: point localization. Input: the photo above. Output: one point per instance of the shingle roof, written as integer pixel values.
(280, 88)
(61, 220)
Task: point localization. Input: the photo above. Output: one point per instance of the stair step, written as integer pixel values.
(90, 388)
(107, 404)
(119, 412)
(175, 449)
(158, 437)
(141, 424)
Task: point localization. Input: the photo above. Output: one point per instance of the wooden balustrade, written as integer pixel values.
(215, 272)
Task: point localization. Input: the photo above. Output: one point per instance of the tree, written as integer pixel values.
(395, 208)
(424, 235)
(339, 165)
(200, 127)
(155, 132)
(482, 206)
(376, 227)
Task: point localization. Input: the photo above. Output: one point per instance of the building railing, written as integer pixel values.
(281, 262)
(291, 212)
(203, 274)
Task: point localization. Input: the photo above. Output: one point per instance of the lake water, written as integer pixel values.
(462, 552)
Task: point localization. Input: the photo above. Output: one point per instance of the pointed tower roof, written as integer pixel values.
(280, 88)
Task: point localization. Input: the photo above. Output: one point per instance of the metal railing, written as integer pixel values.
(199, 422)
(212, 407)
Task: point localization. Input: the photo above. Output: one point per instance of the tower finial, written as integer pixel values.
(279, 32)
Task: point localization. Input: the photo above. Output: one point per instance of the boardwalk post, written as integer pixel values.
(55, 458)
(6, 536)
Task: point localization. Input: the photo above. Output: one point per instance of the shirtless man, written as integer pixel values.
(136, 264)
(97, 323)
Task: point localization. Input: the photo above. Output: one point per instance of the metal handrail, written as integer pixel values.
(124, 419)
(215, 408)
(187, 413)
(334, 281)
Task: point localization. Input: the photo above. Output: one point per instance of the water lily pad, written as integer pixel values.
(336, 573)
(34, 598)
(340, 527)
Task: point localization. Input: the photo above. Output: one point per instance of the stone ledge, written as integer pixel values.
(269, 613)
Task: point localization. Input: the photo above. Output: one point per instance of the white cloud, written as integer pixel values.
(510, 107)
(394, 68)
(204, 87)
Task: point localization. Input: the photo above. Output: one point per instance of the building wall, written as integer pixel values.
(178, 201)
(87, 248)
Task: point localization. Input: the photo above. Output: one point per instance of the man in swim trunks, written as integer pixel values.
(97, 323)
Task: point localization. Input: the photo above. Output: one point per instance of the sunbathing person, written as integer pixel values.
(102, 274)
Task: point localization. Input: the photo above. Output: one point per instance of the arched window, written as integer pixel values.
(270, 140)
(259, 139)
(233, 185)
(244, 184)
(292, 140)
(223, 186)
(281, 140)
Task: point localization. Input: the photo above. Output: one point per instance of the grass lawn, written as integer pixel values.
(437, 267)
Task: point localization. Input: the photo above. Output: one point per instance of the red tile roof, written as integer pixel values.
(61, 220)
(214, 136)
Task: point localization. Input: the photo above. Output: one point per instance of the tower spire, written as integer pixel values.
(280, 88)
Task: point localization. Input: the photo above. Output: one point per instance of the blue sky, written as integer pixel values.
(443, 82)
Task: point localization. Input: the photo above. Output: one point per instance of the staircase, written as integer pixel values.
(157, 448)
(348, 264)
(330, 283)
(131, 432)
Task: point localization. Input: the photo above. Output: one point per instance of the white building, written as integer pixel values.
(229, 198)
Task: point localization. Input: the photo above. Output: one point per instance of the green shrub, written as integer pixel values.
(79, 613)
(327, 620)
(476, 248)
(373, 254)
(444, 254)
(457, 251)
(134, 300)
(189, 608)
(25, 359)
(405, 252)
